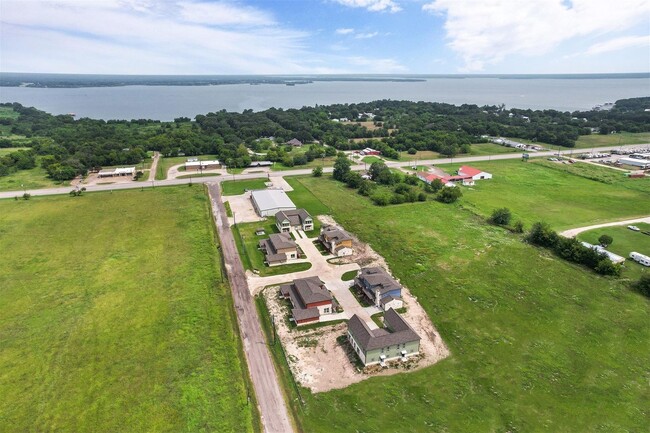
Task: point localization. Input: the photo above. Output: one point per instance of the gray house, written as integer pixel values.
(379, 286)
(396, 341)
(298, 219)
(279, 248)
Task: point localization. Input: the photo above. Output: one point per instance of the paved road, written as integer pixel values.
(273, 411)
(571, 233)
(169, 182)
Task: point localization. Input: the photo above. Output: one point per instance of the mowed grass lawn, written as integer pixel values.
(238, 187)
(564, 196)
(595, 140)
(113, 316)
(538, 344)
(34, 178)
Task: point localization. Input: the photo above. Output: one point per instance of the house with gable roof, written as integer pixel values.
(309, 298)
(378, 286)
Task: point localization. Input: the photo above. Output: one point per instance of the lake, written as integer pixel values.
(168, 102)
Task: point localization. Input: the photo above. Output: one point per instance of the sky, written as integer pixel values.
(216, 37)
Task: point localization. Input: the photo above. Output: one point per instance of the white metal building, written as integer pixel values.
(268, 202)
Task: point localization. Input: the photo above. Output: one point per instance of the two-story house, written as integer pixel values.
(298, 219)
(397, 340)
(336, 240)
(309, 298)
(379, 287)
(279, 248)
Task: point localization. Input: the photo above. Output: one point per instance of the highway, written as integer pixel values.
(170, 182)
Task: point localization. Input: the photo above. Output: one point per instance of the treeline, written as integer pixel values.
(19, 160)
(571, 249)
(396, 126)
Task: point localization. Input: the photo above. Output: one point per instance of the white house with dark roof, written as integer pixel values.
(396, 341)
(298, 219)
(309, 298)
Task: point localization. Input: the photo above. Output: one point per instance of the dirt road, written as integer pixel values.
(274, 414)
(571, 233)
(154, 166)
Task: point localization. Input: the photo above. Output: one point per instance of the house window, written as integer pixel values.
(326, 310)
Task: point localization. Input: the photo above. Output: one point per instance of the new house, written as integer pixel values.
(378, 286)
(268, 202)
(279, 248)
(309, 298)
(336, 240)
(298, 219)
(396, 341)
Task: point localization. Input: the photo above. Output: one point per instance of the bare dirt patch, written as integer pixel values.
(363, 255)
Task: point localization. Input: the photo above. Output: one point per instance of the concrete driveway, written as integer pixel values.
(242, 208)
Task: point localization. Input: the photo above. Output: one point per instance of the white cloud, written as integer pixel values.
(141, 37)
(366, 35)
(344, 31)
(222, 13)
(372, 5)
(486, 31)
(619, 44)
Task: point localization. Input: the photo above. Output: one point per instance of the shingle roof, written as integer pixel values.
(387, 299)
(311, 290)
(295, 216)
(378, 278)
(280, 241)
(336, 234)
(268, 199)
(294, 142)
(371, 340)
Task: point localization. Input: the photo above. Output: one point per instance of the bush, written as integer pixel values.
(606, 267)
(412, 151)
(541, 234)
(643, 285)
(317, 171)
(518, 227)
(449, 194)
(366, 188)
(501, 216)
(353, 179)
(380, 198)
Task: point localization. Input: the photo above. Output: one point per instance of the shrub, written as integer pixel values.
(643, 285)
(449, 194)
(380, 198)
(541, 234)
(518, 227)
(501, 216)
(353, 179)
(366, 188)
(412, 151)
(317, 171)
(606, 267)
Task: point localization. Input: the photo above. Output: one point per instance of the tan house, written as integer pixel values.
(336, 240)
(278, 249)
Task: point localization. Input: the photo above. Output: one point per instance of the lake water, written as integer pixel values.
(168, 102)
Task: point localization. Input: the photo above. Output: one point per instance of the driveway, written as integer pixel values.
(242, 208)
(571, 233)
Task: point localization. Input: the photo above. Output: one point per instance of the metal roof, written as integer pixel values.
(268, 199)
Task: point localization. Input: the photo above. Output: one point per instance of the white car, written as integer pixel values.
(633, 228)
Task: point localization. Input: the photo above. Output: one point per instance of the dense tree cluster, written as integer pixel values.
(239, 138)
(19, 160)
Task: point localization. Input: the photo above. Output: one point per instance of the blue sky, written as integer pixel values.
(325, 36)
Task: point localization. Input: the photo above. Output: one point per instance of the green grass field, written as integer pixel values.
(537, 344)
(595, 140)
(370, 159)
(490, 149)
(34, 178)
(252, 258)
(238, 187)
(625, 241)
(319, 162)
(563, 195)
(114, 317)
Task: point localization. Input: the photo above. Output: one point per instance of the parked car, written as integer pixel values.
(633, 228)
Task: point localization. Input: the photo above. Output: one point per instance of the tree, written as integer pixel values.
(501, 216)
(341, 167)
(541, 234)
(412, 151)
(449, 194)
(605, 240)
(317, 171)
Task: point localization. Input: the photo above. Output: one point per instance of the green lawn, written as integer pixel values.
(490, 149)
(595, 140)
(303, 198)
(252, 258)
(370, 159)
(34, 178)
(238, 187)
(421, 154)
(188, 176)
(625, 241)
(164, 164)
(564, 195)
(537, 344)
(319, 162)
(115, 321)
